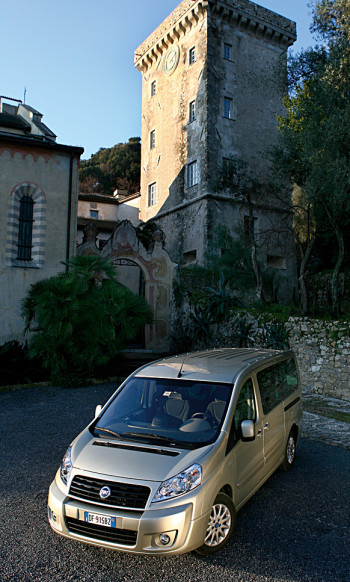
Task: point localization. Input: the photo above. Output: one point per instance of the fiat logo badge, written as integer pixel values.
(105, 492)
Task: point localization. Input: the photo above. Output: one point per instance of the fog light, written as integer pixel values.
(52, 515)
(164, 539)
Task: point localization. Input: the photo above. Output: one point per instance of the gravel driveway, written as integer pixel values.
(295, 529)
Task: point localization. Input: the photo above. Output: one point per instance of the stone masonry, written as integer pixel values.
(213, 77)
(323, 353)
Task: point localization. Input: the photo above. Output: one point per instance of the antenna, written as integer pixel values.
(182, 365)
(24, 97)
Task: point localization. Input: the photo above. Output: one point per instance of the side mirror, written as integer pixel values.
(248, 430)
(98, 410)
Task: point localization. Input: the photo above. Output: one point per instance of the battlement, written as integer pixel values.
(187, 14)
(257, 13)
(242, 13)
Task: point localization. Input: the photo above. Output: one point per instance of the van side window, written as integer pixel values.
(277, 383)
(245, 410)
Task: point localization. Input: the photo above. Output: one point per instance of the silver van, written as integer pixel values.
(177, 450)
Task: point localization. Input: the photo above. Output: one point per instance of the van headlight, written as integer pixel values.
(181, 483)
(66, 466)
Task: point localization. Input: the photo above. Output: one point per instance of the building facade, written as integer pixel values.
(39, 196)
(213, 74)
(106, 212)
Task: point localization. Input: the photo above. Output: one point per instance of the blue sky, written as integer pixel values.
(75, 58)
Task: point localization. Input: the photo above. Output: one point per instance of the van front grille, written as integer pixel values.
(124, 537)
(123, 495)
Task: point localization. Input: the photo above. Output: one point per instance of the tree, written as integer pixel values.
(81, 318)
(315, 133)
(234, 176)
(111, 168)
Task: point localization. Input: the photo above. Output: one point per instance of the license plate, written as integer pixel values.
(98, 519)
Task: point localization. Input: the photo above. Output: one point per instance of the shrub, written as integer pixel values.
(82, 318)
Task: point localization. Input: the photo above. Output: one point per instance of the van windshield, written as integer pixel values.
(179, 413)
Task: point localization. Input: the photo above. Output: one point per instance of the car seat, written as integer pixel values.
(173, 411)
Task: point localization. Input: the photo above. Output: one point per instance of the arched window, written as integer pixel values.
(26, 226)
(25, 229)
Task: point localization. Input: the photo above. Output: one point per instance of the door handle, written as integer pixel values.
(266, 426)
(259, 433)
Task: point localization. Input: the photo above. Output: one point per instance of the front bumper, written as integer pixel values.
(136, 532)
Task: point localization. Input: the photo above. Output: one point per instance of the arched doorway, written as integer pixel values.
(148, 272)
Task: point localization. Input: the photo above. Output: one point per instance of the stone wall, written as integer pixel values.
(322, 348)
(323, 353)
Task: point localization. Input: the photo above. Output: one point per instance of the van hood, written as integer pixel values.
(132, 460)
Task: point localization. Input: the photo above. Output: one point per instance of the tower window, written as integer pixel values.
(247, 229)
(192, 56)
(152, 194)
(227, 52)
(93, 213)
(192, 174)
(276, 262)
(153, 88)
(192, 112)
(152, 140)
(228, 108)
(25, 229)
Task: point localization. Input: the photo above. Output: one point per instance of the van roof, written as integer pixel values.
(220, 365)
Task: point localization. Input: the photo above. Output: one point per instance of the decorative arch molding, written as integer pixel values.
(20, 191)
(124, 248)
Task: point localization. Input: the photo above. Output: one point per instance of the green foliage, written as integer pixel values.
(219, 301)
(276, 336)
(244, 332)
(233, 259)
(111, 168)
(200, 325)
(81, 318)
(276, 311)
(190, 284)
(315, 134)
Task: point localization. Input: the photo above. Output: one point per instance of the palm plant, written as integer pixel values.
(220, 301)
(276, 336)
(82, 318)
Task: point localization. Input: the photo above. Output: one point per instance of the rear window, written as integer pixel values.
(277, 383)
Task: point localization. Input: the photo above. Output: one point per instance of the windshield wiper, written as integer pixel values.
(109, 431)
(149, 435)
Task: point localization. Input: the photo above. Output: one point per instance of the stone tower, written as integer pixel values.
(214, 74)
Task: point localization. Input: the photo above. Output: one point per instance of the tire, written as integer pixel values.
(289, 454)
(221, 524)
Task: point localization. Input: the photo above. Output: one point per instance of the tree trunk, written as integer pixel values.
(338, 264)
(259, 283)
(304, 302)
(258, 278)
(335, 275)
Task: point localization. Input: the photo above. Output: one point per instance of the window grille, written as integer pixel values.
(25, 229)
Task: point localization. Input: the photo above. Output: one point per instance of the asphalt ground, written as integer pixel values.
(296, 528)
